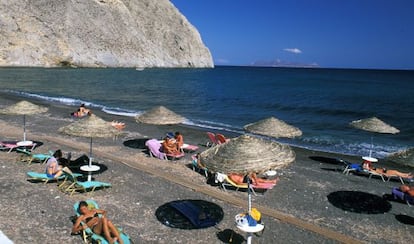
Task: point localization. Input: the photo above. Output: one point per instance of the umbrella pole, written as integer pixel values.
(90, 154)
(372, 146)
(249, 208)
(24, 127)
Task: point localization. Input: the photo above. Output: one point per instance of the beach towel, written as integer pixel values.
(154, 146)
(194, 214)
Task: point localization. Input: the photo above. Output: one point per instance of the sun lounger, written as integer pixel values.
(225, 181)
(221, 138)
(213, 140)
(189, 148)
(402, 180)
(28, 156)
(357, 169)
(42, 177)
(89, 236)
(10, 145)
(72, 185)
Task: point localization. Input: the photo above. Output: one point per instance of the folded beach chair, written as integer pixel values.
(28, 156)
(194, 214)
(221, 138)
(399, 195)
(89, 236)
(213, 140)
(72, 185)
(42, 177)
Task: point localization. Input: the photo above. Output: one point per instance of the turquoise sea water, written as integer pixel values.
(321, 102)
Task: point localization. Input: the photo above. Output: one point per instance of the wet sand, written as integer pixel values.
(301, 208)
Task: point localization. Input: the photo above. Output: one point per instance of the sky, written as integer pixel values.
(363, 34)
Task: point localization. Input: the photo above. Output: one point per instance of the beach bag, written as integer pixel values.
(256, 215)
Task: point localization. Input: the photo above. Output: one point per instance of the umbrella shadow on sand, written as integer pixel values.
(136, 143)
(230, 236)
(189, 214)
(405, 219)
(359, 202)
(327, 160)
(331, 161)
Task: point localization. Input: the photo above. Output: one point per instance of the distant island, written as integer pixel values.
(279, 63)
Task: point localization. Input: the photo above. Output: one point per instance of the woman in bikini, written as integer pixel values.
(97, 221)
(367, 165)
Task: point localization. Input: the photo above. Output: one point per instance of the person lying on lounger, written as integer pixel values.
(367, 165)
(407, 189)
(96, 220)
(118, 125)
(241, 178)
(81, 112)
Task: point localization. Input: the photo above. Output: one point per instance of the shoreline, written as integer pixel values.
(310, 179)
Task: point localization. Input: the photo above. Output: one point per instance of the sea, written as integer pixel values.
(321, 102)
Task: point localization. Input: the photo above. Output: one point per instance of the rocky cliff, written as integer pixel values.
(98, 33)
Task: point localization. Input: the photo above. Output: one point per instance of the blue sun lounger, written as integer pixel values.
(89, 234)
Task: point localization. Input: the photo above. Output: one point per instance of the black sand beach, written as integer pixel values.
(300, 209)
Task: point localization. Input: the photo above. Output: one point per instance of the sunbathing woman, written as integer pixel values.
(53, 169)
(97, 221)
(81, 112)
(118, 125)
(367, 165)
(241, 179)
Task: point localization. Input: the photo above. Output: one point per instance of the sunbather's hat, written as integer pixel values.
(370, 159)
(170, 135)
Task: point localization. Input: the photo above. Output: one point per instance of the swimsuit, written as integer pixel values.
(90, 218)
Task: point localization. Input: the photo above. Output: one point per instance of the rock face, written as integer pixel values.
(98, 33)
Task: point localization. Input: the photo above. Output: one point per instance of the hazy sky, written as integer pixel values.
(330, 33)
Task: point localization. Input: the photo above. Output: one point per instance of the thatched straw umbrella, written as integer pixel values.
(376, 125)
(92, 126)
(159, 116)
(246, 154)
(404, 157)
(273, 127)
(24, 108)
